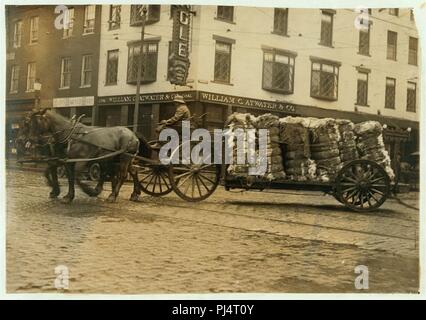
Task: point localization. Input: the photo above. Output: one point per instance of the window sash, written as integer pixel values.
(152, 15)
(280, 21)
(392, 45)
(411, 97)
(326, 29)
(112, 67)
(68, 23)
(34, 29)
(114, 17)
(31, 75)
(364, 41)
(17, 35)
(394, 11)
(390, 93)
(225, 13)
(149, 62)
(412, 51)
(278, 72)
(65, 73)
(222, 62)
(14, 79)
(362, 89)
(89, 19)
(324, 84)
(86, 71)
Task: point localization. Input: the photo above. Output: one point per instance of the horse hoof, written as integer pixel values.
(53, 195)
(66, 200)
(134, 197)
(111, 199)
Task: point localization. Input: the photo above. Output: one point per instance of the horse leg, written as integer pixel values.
(100, 185)
(121, 176)
(136, 185)
(70, 168)
(54, 182)
(114, 181)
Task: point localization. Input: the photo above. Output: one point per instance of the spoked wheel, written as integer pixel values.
(362, 185)
(194, 182)
(154, 180)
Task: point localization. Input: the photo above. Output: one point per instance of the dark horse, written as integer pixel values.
(115, 147)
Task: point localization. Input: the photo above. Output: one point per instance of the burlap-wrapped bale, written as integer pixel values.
(325, 138)
(370, 145)
(294, 136)
(274, 160)
(347, 145)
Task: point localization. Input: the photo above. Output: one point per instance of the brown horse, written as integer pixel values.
(114, 147)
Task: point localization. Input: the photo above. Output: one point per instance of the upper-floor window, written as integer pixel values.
(222, 62)
(390, 93)
(31, 76)
(324, 79)
(392, 45)
(327, 17)
(225, 13)
(364, 39)
(89, 19)
(14, 79)
(17, 34)
(362, 88)
(278, 71)
(411, 96)
(86, 70)
(149, 62)
(34, 30)
(152, 15)
(112, 67)
(412, 14)
(280, 21)
(68, 23)
(394, 11)
(412, 50)
(114, 17)
(65, 73)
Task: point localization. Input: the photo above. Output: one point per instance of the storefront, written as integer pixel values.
(78, 106)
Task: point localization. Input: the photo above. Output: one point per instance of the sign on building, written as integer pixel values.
(179, 53)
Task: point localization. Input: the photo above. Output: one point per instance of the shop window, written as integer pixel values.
(280, 21)
(324, 79)
(411, 97)
(149, 62)
(390, 93)
(278, 71)
(65, 112)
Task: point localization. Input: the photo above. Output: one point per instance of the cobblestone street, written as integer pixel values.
(232, 242)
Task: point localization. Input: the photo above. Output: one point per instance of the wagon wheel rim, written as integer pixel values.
(194, 182)
(362, 185)
(95, 172)
(154, 181)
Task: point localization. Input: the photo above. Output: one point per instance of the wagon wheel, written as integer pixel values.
(194, 182)
(362, 185)
(154, 180)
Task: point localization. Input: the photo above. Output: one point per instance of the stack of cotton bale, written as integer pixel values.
(274, 160)
(294, 134)
(325, 137)
(347, 144)
(370, 144)
(239, 123)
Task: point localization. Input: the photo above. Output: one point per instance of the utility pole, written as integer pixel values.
(139, 76)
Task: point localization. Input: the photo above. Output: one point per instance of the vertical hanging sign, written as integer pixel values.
(179, 53)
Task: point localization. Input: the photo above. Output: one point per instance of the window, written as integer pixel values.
(324, 79)
(152, 15)
(31, 76)
(17, 34)
(114, 17)
(65, 73)
(411, 97)
(68, 23)
(411, 14)
(112, 67)
(412, 51)
(326, 28)
(33, 30)
(222, 62)
(391, 51)
(280, 21)
(362, 89)
(149, 62)
(86, 71)
(89, 19)
(394, 11)
(14, 79)
(364, 40)
(390, 93)
(225, 13)
(278, 71)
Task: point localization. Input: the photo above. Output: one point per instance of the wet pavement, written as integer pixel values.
(261, 242)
